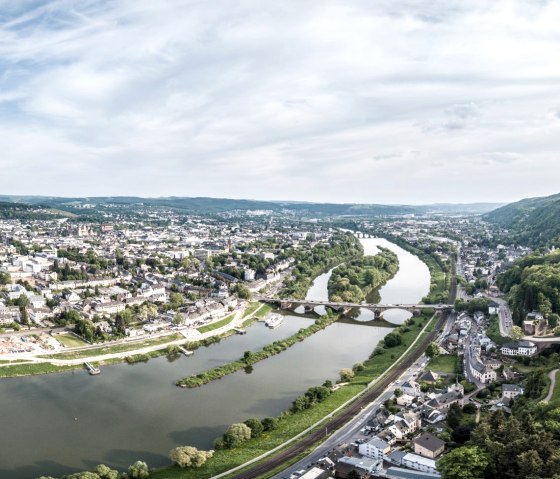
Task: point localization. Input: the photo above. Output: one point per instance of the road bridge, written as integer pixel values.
(377, 309)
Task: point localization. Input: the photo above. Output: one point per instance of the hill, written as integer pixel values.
(532, 221)
(204, 205)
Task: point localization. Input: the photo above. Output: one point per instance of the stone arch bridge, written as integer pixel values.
(377, 309)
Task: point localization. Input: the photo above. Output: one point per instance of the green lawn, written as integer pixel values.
(217, 324)
(33, 368)
(115, 348)
(444, 363)
(70, 341)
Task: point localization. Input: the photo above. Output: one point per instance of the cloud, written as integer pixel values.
(327, 101)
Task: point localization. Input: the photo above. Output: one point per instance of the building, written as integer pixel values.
(375, 448)
(481, 372)
(511, 391)
(519, 348)
(419, 463)
(363, 465)
(400, 473)
(428, 445)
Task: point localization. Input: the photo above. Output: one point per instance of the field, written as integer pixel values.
(217, 324)
(115, 348)
(70, 341)
(444, 363)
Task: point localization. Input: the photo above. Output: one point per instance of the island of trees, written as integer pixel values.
(354, 280)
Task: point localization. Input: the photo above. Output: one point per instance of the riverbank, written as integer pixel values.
(291, 424)
(142, 350)
(440, 273)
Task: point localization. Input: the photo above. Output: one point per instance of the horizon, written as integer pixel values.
(296, 201)
(340, 102)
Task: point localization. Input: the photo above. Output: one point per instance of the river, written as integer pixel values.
(59, 423)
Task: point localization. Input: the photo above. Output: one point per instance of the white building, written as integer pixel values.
(375, 448)
(521, 348)
(419, 463)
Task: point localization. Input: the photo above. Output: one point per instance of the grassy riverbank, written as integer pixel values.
(217, 324)
(30, 369)
(290, 424)
(114, 348)
(251, 358)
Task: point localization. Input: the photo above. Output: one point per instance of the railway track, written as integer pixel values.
(316, 436)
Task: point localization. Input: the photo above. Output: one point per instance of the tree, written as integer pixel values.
(242, 291)
(178, 319)
(398, 392)
(454, 416)
(5, 278)
(105, 472)
(270, 423)
(189, 456)
(392, 339)
(256, 426)
(236, 434)
(464, 463)
(23, 316)
(138, 470)
(23, 301)
(432, 350)
(346, 374)
(83, 475)
(176, 300)
(516, 333)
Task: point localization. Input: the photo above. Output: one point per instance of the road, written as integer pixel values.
(552, 376)
(354, 412)
(504, 315)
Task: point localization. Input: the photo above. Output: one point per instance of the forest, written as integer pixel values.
(533, 283)
(352, 281)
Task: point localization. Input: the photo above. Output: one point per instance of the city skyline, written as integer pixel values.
(341, 102)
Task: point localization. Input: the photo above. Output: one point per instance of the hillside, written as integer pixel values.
(204, 205)
(532, 221)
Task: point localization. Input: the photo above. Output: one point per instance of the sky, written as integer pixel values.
(385, 101)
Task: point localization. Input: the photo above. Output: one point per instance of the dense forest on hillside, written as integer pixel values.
(532, 221)
(9, 211)
(353, 281)
(533, 283)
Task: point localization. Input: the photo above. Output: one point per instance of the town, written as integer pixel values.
(88, 294)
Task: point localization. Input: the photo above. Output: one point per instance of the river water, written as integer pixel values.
(59, 423)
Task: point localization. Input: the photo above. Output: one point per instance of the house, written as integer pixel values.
(519, 348)
(511, 391)
(481, 372)
(419, 463)
(405, 400)
(375, 448)
(429, 377)
(37, 301)
(363, 465)
(411, 388)
(112, 307)
(428, 445)
(493, 307)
